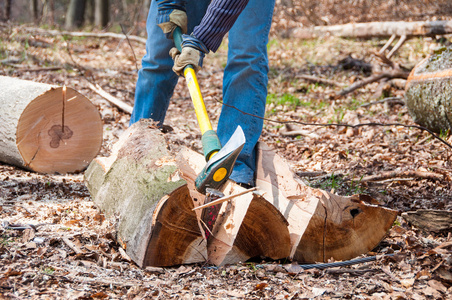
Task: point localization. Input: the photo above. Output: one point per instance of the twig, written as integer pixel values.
(397, 46)
(120, 104)
(388, 43)
(224, 199)
(396, 100)
(130, 45)
(396, 73)
(403, 174)
(319, 80)
(72, 246)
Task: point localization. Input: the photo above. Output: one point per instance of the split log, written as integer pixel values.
(158, 223)
(428, 91)
(375, 29)
(46, 130)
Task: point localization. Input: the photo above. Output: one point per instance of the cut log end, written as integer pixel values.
(59, 132)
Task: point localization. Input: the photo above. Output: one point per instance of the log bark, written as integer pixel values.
(159, 225)
(374, 29)
(44, 131)
(430, 220)
(428, 91)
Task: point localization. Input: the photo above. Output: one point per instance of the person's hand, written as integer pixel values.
(177, 18)
(193, 52)
(171, 14)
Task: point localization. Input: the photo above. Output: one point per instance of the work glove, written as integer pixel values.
(171, 14)
(193, 52)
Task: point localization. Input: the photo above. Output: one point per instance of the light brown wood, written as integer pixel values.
(321, 225)
(158, 223)
(34, 136)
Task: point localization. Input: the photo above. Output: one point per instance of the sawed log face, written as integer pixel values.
(156, 223)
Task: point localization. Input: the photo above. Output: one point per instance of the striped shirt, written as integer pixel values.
(218, 20)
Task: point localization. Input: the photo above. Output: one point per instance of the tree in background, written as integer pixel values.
(91, 10)
(75, 15)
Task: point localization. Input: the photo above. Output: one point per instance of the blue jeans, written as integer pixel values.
(244, 82)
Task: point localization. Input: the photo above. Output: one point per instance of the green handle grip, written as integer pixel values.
(177, 37)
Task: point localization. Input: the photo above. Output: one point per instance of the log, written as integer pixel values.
(158, 223)
(428, 91)
(374, 29)
(46, 130)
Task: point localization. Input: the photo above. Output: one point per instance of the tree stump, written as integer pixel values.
(428, 91)
(147, 184)
(46, 130)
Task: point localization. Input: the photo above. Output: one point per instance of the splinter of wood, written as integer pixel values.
(64, 108)
(224, 199)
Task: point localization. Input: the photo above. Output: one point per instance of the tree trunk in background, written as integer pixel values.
(50, 11)
(75, 14)
(101, 13)
(34, 11)
(89, 12)
(7, 12)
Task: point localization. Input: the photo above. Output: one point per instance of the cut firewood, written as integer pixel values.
(158, 223)
(428, 91)
(321, 225)
(46, 128)
(375, 29)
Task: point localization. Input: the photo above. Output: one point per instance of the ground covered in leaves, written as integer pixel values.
(54, 243)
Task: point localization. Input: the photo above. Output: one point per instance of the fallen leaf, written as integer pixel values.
(261, 286)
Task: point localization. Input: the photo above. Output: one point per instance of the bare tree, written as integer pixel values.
(101, 12)
(75, 14)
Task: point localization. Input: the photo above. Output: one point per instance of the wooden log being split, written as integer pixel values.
(46, 128)
(158, 225)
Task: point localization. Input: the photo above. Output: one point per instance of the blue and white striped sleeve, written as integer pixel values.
(218, 20)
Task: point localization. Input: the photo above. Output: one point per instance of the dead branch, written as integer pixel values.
(403, 174)
(113, 100)
(388, 43)
(85, 34)
(395, 100)
(395, 73)
(397, 46)
(374, 29)
(319, 80)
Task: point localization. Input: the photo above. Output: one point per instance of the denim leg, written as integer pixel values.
(245, 83)
(156, 79)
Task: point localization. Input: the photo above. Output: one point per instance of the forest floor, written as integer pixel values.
(67, 248)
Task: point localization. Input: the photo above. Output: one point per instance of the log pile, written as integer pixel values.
(45, 128)
(147, 184)
(428, 91)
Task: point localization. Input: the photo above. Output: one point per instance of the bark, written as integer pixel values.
(428, 91)
(45, 132)
(159, 225)
(101, 13)
(431, 220)
(75, 14)
(375, 29)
